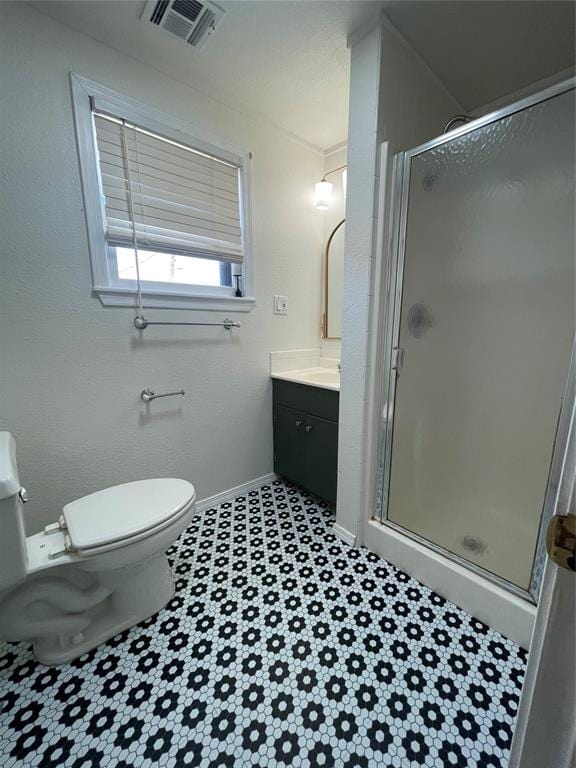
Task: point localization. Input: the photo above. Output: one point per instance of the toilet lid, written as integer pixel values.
(125, 511)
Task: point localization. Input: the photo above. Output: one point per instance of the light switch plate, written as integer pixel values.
(280, 305)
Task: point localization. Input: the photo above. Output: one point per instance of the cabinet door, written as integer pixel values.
(289, 444)
(321, 457)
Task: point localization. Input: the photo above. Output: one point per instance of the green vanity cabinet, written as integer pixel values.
(290, 444)
(306, 437)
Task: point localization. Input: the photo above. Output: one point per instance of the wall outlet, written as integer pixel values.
(280, 305)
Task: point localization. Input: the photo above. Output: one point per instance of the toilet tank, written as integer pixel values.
(12, 532)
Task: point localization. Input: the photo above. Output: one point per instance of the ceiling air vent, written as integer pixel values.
(191, 20)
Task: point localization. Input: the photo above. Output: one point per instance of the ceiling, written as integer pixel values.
(482, 51)
(287, 61)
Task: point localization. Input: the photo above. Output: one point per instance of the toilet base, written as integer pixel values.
(132, 595)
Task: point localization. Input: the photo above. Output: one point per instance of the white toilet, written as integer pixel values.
(98, 570)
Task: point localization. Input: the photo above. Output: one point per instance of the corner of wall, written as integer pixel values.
(394, 98)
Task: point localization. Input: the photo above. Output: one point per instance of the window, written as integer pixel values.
(164, 208)
(163, 267)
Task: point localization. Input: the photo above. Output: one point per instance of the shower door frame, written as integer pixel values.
(392, 353)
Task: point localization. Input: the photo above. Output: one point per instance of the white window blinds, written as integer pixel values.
(183, 200)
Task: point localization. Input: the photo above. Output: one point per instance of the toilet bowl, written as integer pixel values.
(99, 569)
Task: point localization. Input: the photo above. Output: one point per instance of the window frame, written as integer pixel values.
(105, 284)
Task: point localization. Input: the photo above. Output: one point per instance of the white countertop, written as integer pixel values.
(325, 378)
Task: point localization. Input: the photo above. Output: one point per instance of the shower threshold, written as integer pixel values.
(503, 606)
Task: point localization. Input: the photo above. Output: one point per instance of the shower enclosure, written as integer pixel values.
(481, 295)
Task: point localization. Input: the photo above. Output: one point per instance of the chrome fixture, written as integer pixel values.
(24, 496)
(148, 394)
(457, 119)
(140, 322)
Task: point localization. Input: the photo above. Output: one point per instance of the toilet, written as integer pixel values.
(99, 569)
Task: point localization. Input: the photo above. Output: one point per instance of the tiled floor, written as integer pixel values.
(282, 647)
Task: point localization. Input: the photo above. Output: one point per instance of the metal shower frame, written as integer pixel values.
(394, 288)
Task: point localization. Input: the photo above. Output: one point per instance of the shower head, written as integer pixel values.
(457, 119)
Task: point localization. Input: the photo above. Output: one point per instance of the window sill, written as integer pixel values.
(121, 297)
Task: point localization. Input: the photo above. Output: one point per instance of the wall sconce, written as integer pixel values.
(323, 195)
(323, 189)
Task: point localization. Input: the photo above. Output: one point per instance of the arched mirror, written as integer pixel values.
(333, 281)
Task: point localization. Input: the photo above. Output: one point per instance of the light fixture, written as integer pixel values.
(323, 189)
(323, 195)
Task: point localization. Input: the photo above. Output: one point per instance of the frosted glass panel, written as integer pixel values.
(487, 324)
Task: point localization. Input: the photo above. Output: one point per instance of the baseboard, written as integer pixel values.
(345, 535)
(232, 493)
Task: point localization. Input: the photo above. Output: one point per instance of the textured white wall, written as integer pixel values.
(71, 370)
(394, 97)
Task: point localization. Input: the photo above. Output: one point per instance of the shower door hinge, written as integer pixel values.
(397, 358)
(561, 541)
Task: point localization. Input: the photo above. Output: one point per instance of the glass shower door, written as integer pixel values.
(484, 325)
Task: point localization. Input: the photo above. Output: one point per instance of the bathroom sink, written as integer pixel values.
(327, 378)
(321, 377)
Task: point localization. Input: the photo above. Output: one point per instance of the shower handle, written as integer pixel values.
(397, 358)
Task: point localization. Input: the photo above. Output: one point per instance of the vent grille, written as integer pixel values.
(177, 25)
(159, 11)
(190, 9)
(203, 28)
(192, 21)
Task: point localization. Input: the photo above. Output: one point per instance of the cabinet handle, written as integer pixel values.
(298, 423)
(309, 428)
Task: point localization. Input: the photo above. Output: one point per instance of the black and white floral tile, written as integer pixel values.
(282, 647)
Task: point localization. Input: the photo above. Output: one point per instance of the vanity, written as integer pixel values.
(305, 410)
(306, 386)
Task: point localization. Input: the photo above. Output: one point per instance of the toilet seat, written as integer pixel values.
(125, 513)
